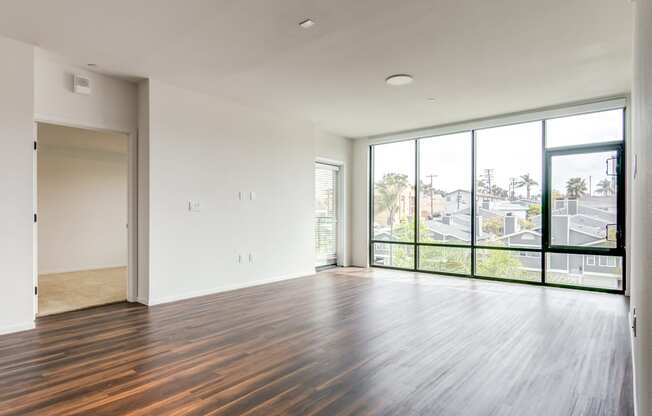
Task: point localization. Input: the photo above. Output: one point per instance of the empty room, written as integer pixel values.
(288, 207)
(82, 218)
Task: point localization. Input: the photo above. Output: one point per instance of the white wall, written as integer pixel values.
(641, 251)
(208, 150)
(82, 199)
(16, 178)
(331, 148)
(143, 192)
(112, 105)
(360, 216)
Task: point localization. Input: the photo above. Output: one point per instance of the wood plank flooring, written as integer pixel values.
(348, 342)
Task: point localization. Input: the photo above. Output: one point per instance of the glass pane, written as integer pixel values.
(584, 200)
(603, 272)
(325, 215)
(507, 264)
(605, 126)
(393, 255)
(445, 189)
(508, 186)
(445, 259)
(393, 178)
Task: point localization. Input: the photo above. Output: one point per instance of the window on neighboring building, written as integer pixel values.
(590, 260)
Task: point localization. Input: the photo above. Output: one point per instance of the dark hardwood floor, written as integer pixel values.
(339, 343)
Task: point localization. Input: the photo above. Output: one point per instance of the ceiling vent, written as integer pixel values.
(81, 84)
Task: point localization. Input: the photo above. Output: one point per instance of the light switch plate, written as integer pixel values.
(194, 206)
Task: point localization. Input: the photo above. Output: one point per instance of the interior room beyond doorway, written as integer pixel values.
(82, 218)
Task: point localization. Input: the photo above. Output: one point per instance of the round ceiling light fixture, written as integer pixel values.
(397, 80)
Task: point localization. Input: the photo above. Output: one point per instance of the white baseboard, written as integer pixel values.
(144, 301)
(631, 343)
(8, 329)
(226, 288)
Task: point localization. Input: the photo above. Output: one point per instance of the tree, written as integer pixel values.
(605, 187)
(388, 192)
(494, 226)
(483, 187)
(575, 188)
(428, 190)
(499, 192)
(499, 263)
(533, 210)
(527, 182)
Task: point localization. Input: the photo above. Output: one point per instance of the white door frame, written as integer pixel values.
(132, 203)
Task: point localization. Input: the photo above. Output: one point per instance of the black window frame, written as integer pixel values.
(546, 248)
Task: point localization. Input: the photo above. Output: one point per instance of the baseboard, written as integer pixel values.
(25, 326)
(631, 343)
(226, 288)
(144, 301)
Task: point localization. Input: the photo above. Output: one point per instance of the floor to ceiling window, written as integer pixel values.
(540, 202)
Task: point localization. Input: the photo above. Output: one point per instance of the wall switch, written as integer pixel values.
(194, 206)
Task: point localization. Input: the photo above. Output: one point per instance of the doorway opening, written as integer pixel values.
(81, 218)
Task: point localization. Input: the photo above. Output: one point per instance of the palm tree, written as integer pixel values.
(527, 182)
(388, 192)
(575, 188)
(605, 187)
(499, 192)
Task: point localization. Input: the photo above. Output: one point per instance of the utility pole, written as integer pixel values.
(488, 177)
(432, 191)
(512, 188)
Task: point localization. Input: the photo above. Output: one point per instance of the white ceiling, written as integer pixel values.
(476, 57)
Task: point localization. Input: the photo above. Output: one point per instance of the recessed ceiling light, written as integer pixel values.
(308, 23)
(399, 79)
(432, 100)
(92, 65)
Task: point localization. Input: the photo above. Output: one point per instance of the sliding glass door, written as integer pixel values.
(326, 214)
(537, 202)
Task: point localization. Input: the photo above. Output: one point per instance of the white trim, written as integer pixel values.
(591, 106)
(9, 329)
(226, 288)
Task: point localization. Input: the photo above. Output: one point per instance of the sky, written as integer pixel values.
(511, 151)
